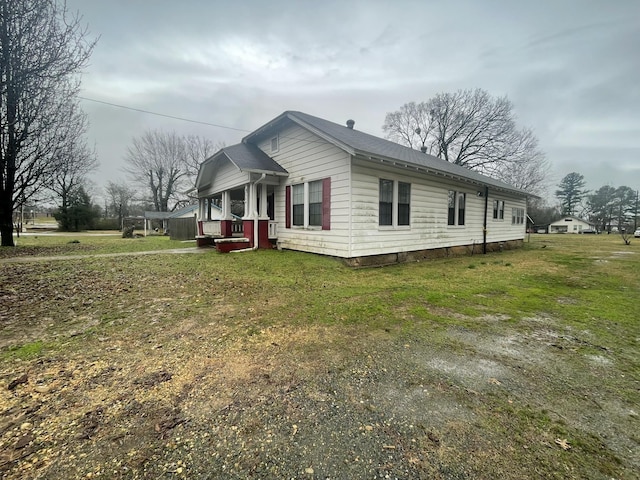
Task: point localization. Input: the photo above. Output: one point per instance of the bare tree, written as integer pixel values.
(119, 195)
(472, 129)
(166, 165)
(158, 161)
(526, 167)
(411, 126)
(198, 149)
(42, 51)
(73, 164)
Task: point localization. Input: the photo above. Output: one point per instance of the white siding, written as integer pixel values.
(503, 230)
(225, 177)
(308, 158)
(428, 221)
(568, 225)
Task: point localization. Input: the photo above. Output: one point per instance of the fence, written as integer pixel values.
(182, 228)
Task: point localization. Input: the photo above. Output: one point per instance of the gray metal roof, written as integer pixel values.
(151, 215)
(183, 211)
(359, 143)
(248, 157)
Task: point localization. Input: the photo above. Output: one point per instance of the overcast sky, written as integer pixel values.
(570, 67)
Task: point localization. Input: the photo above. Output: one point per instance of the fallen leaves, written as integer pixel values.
(24, 378)
(563, 443)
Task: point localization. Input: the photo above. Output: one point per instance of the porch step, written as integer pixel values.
(226, 245)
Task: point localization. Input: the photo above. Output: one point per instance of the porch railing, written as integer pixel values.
(213, 228)
(237, 226)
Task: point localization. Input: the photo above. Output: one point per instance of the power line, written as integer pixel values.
(163, 115)
(188, 119)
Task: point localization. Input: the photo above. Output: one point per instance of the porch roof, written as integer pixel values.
(249, 158)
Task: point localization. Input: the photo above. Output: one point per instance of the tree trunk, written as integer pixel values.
(6, 222)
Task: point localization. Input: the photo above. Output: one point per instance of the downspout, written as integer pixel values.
(255, 219)
(484, 225)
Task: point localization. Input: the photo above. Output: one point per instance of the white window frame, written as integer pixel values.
(275, 140)
(305, 224)
(498, 210)
(517, 216)
(394, 206)
(456, 216)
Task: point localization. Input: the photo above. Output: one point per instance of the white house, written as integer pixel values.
(570, 224)
(313, 185)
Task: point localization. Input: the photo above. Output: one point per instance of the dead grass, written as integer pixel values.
(286, 365)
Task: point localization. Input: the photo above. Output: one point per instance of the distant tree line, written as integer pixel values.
(606, 207)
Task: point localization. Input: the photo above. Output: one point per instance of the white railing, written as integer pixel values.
(212, 227)
(273, 230)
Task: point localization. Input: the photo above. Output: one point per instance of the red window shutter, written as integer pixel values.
(326, 204)
(287, 206)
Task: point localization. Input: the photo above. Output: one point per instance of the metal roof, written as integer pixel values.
(369, 146)
(248, 157)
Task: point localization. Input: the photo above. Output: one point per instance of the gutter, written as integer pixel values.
(484, 225)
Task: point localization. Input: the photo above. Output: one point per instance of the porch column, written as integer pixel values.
(226, 205)
(263, 218)
(201, 208)
(247, 202)
(250, 206)
(226, 220)
(263, 202)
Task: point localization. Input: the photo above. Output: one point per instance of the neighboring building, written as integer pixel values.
(313, 185)
(570, 224)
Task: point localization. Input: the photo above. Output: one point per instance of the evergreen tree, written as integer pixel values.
(601, 205)
(79, 213)
(571, 192)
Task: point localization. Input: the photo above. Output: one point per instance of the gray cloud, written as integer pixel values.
(571, 68)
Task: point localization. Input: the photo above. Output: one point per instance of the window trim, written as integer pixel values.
(498, 210)
(296, 190)
(277, 144)
(458, 209)
(517, 216)
(325, 205)
(395, 205)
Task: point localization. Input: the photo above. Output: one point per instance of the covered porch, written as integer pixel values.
(227, 230)
(239, 182)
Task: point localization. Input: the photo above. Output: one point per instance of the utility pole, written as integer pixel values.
(635, 216)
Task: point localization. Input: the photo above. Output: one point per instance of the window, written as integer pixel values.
(275, 144)
(404, 203)
(386, 202)
(308, 204)
(298, 204)
(451, 202)
(315, 203)
(498, 209)
(394, 203)
(456, 207)
(517, 216)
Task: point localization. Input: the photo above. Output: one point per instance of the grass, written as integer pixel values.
(469, 367)
(24, 352)
(87, 243)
